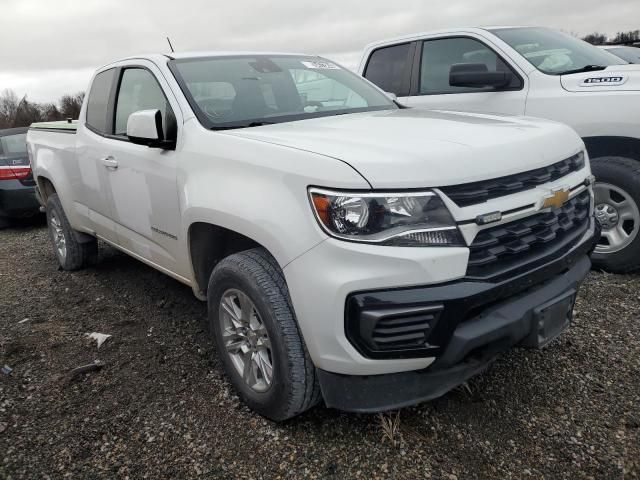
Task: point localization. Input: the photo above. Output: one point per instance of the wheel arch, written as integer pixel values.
(208, 244)
(613, 146)
(45, 188)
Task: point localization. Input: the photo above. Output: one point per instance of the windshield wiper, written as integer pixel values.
(586, 68)
(244, 125)
(259, 124)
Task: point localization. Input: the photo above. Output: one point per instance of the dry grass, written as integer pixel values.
(390, 425)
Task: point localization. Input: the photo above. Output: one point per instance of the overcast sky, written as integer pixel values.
(50, 47)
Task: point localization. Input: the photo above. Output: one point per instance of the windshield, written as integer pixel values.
(555, 53)
(630, 54)
(14, 144)
(245, 91)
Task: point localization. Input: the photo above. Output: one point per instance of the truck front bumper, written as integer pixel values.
(324, 281)
(529, 318)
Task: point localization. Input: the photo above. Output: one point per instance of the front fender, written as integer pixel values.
(258, 189)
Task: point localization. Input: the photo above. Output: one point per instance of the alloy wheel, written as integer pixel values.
(59, 239)
(246, 340)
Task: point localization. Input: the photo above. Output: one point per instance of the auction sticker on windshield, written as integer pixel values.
(321, 65)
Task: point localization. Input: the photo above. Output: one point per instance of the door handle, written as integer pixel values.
(109, 162)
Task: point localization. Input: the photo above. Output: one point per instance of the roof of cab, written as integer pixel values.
(164, 57)
(206, 54)
(417, 35)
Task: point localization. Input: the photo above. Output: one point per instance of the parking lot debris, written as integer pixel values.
(24, 320)
(7, 370)
(91, 367)
(100, 338)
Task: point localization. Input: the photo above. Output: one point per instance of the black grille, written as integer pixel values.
(380, 331)
(403, 332)
(539, 237)
(479, 192)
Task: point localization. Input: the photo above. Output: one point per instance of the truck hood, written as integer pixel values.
(613, 78)
(411, 148)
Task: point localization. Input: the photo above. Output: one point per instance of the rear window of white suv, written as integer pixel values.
(13, 144)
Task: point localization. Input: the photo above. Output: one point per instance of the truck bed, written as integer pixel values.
(63, 126)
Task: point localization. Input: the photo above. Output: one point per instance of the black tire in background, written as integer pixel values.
(294, 386)
(621, 176)
(77, 254)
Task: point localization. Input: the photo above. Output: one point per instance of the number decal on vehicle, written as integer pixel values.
(594, 81)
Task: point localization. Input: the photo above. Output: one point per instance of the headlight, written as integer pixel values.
(410, 219)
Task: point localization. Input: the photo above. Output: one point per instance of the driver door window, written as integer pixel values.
(439, 55)
(139, 90)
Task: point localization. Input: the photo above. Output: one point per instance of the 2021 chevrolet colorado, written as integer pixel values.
(349, 249)
(543, 73)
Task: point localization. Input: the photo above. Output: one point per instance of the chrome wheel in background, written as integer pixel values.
(618, 215)
(246, 339)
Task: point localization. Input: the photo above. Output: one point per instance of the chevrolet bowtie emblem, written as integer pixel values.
(556, 199)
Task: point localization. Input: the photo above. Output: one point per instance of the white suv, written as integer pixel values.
(349, 249)
(542, 73)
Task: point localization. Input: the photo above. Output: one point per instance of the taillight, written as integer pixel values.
(14, 172)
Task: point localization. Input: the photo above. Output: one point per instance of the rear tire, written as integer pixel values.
(70, 252)
(4, 223)
(617, 204)
(254, 278)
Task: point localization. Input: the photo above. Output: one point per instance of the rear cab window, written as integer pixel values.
(98, 102)
(390, 67)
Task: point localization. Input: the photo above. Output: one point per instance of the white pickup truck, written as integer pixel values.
(542, 73)
(348, 248)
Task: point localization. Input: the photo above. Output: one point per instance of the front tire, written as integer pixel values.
(257, 336)
(617, 208)
(70, 253)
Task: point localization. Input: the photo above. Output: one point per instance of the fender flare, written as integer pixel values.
(613, 146)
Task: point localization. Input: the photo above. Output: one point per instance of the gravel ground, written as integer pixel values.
(161, 408)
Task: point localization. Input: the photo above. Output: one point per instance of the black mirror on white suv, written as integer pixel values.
(145, 128)
(476, 75)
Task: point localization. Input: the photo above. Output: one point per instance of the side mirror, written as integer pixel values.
(145, 128)
(476, 75)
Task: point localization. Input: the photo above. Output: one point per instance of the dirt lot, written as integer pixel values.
(161, 408)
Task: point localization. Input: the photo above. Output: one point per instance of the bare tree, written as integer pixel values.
(627, 37)
(70, 105)
(27, 113)
(16, 112)
(8, 107)
(50, 112)
(596, 38)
